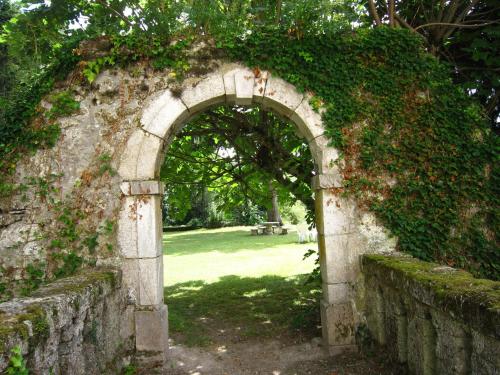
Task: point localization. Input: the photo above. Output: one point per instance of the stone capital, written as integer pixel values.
(150, 187)
(326, 181)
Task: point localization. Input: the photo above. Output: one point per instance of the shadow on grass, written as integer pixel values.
(243, 307)
(195, 242)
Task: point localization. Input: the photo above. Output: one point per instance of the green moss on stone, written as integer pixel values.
(14, 325)
(476, 301)
(78, 283)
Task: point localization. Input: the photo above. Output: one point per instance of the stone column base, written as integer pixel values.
(337, 321)
(151, 330)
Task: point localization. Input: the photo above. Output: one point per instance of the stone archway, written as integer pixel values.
(140, 224)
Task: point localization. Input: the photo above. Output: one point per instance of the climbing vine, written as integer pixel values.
(415, 149)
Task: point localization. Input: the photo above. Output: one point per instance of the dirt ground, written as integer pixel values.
(269, 356)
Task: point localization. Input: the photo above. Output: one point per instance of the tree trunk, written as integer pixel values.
(273, 213)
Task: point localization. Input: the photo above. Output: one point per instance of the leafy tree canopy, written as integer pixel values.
(237, 152)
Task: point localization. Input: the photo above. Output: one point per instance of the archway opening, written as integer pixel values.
(140, 227)
(236, 180)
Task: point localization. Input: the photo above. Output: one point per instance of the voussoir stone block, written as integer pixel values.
(324, 155)
(163, 114)
(204, 93)
(128, 163)
(281, 96)
(148, 162)
(150, 281)
(149, 226)
(141, 159)
(244, 81)
(308, 121)
(259, 87)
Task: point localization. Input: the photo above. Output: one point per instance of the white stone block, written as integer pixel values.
(243, 83)
(204, 93)
(149, 226)
(325, 156)
(326, 181)
(150, 281)
(130, 272)
(151, 328)
(153, 106)
(335, 214)
(127, 228)
(229, 85)
(339, 257)
(337, 293)
(141, 187)
(164, 114)
(281, 96)
(150, 155)
(337, 322)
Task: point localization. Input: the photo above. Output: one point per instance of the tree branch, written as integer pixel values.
(373, 11)
(459, 25)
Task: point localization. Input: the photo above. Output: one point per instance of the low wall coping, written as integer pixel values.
(475, 302)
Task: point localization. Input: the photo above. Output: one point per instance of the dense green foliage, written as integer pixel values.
(417, 150)
(464, 33)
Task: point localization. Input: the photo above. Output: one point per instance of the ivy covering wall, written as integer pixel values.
(415, 149)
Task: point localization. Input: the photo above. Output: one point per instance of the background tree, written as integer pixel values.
(464, 33)
(247, 156)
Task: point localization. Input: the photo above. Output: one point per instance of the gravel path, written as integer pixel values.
(272, 357)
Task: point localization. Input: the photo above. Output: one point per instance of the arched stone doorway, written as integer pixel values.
(140, 224)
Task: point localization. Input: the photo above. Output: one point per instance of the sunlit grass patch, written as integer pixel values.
(226, 283)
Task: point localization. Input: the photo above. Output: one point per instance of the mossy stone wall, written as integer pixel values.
(432, 318)
(72, 326)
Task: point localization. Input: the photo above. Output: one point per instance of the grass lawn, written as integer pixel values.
(223, 284)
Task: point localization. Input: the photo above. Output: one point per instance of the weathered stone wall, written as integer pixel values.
(94, 198)
(433, 319)
(73, 326)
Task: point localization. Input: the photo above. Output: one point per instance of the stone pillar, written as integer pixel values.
(338, 244)
(140, 242)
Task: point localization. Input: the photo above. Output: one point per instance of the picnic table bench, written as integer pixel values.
(269, 227)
